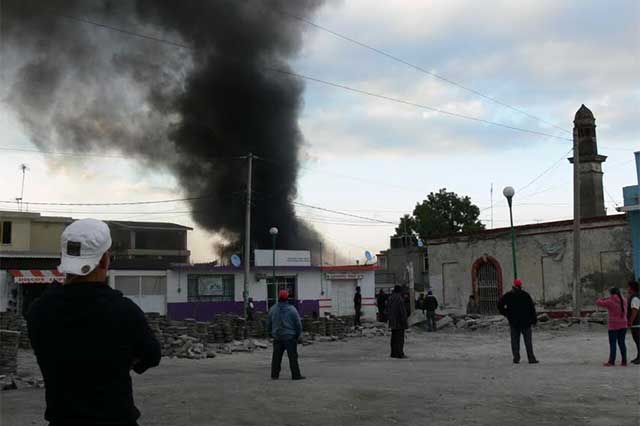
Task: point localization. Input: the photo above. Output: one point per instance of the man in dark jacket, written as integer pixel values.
(381, 302)
(87, 336)
(397, 314)
(285, 327)
(431, 304)
(357, 306)
(520, 310)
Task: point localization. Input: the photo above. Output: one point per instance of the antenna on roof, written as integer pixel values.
(19, 200)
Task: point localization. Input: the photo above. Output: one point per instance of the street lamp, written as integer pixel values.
(274, 234)
(509, 192)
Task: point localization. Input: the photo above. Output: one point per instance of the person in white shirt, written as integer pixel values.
(633, 313)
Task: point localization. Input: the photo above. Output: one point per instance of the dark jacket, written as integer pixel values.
(86, 337)
(396, 312)
(284, 322)
(381, 301)
(430, 303)
(357, 300)
(519, 308)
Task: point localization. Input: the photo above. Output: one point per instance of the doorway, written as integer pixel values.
(281, 283)
(344, 290)
(487, 284)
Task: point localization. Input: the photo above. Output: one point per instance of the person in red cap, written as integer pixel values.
(520, 310)
(285, 327)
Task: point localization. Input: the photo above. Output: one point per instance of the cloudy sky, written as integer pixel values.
(373, 157)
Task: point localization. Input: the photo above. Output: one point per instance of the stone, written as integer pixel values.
(444, 322)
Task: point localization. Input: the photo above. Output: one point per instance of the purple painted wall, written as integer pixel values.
(206, 311)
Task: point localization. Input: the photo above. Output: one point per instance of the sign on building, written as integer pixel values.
(283, 258)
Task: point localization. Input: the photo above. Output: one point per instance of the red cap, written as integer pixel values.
(283, 295)
(517, 282)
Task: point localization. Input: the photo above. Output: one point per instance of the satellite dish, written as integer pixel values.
(420, 243)
(368, 256)
(235, 260)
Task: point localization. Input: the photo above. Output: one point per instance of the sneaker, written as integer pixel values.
(299, 378)
(516, 361)
(608, 364)
(534, 361)
(636, 361)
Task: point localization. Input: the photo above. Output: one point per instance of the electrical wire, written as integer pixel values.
(314, 79)
(416, 67)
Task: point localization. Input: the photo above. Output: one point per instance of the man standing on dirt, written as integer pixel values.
(398, 322)
(285, 327)
(520, 310)
(381, 302)
(634, 317)
(431, 304)
(357, 306)
(87, 336)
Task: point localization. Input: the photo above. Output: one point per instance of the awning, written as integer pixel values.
(36, 276)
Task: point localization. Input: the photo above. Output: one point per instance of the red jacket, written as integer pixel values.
(617, 311)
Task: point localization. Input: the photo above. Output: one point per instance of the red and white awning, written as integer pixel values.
(36, 276)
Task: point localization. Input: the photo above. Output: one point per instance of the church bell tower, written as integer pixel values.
(591, 189)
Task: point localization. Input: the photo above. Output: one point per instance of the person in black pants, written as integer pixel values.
(634, 317)
(285, 327)
(398, 322)
(431, 304)
(357, 306)
(520, 310)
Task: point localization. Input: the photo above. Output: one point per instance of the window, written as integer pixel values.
(128, 286)
(382, 262)
(281, 283)
(213, 288)
(5, 233)
(136, 286)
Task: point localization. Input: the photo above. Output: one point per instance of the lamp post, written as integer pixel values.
(509, 192)
(274, 234)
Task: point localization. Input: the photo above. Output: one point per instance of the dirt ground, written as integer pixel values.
(450, 379)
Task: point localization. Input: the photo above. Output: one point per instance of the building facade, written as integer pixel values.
(481, 264)
(142, 253)
(203, 291)
(402, 263)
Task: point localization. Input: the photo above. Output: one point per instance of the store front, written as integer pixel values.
(26, 285)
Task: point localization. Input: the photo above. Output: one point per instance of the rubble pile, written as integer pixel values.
(499, 323)
(9, 342)
(15, 322)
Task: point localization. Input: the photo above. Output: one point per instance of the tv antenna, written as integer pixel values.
(20, 199)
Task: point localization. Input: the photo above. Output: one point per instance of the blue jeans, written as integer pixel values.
(617, 337)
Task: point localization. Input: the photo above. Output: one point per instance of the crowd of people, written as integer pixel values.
(87, 337)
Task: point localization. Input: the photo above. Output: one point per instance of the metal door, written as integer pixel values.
(344, 292)
(487, 288)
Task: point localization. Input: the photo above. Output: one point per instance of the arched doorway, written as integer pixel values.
(486, 275)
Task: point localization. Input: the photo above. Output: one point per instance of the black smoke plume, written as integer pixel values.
(192, 105)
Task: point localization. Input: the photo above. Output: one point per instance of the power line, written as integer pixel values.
(343, 213)
(128, 203)
(553, 166)
(417, 67)
(318, 80)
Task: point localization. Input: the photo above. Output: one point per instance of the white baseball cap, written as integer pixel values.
(83, 243)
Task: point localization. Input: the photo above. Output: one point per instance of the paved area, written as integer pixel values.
(450, 379)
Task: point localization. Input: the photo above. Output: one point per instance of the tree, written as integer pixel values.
(442, 213)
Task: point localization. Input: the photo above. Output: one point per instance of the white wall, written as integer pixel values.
(148, 303)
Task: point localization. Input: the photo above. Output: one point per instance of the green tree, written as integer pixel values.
(442, 213)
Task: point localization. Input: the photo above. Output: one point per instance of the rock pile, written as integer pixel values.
(15, 322)
(9, 342)
(499, 323)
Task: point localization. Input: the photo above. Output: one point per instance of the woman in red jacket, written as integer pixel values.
(617, 308)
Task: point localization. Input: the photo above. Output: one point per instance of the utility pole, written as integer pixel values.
(247, 236)
(491, 205)
(20, 200)
(577, 284)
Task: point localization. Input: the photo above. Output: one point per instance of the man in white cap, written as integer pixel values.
(87, 336)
